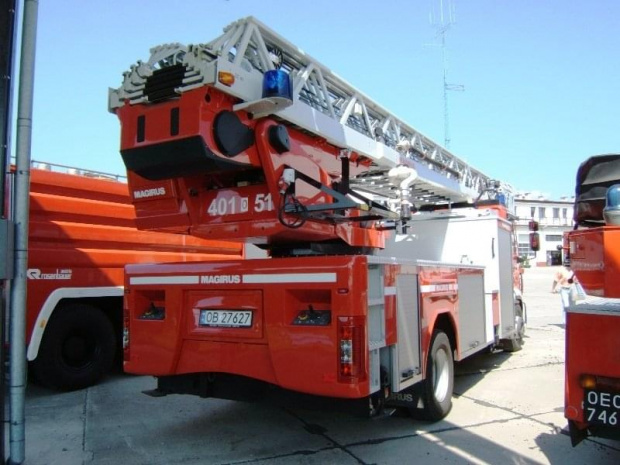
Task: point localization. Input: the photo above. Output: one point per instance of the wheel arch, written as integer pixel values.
(101, 297)
(445, 322)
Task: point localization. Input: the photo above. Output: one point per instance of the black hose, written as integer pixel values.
(298, 209)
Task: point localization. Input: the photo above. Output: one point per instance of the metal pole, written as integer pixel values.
(22, 187)
(7, 25)
(7, 54)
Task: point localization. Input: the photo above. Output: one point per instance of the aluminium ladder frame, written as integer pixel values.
(323, 104)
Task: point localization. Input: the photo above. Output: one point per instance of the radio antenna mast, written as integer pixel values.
(442, 17)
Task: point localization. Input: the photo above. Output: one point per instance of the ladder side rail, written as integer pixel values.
(401, 131)
(396, 131)
(332, 79)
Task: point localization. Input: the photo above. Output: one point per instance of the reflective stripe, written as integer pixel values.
(246, 279)
(163, 280)
(289, 278)
(439, 287)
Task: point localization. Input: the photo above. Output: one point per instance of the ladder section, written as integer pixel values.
(323, 104)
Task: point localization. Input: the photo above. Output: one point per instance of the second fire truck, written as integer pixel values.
(592, 381)
(389, 257)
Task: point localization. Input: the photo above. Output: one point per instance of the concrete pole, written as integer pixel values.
(22, 187)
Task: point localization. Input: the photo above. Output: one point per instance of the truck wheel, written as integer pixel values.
(515, 343)
(520, 320)
(439, 382)
(512, 345)
(77, 349)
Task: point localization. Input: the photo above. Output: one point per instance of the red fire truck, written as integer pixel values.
(390, 258)
(82, 232)
(592, 382)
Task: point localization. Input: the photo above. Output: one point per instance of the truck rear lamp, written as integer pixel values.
(350, 346)
(226, 78)
(602, 383)
(611, 212)
(587, 381)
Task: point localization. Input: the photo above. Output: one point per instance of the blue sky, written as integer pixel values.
(541, 78)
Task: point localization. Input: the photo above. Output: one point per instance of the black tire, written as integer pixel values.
(515, 343)
(520, 320)
(439, 383)
(512, 345)
(77, 349)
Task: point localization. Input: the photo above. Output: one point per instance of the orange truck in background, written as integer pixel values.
(82, 232)
(592, 381)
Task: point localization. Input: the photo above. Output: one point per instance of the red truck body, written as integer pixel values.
(300, 311)
(592, 386)
(81, 235)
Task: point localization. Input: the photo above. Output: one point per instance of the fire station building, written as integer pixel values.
(553, 216)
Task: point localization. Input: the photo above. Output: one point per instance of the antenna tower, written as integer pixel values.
(442, 17)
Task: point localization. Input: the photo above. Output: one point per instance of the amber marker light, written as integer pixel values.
(587, 381)
(226, 78)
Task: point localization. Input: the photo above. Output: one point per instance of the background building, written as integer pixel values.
(553, 216)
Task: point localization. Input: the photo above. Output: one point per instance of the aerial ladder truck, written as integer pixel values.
(389, 258)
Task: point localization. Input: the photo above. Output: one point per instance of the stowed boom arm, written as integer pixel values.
(249, 138)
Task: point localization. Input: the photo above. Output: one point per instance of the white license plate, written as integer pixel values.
(226, 318)
(602, 408)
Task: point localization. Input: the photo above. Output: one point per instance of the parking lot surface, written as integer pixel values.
(508, 409)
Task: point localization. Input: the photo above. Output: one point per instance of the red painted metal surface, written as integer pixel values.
(595, 259)
(591, 349)
(297, 357)
(242, 202)
(592, 334)
(302, 358)
(82, 233)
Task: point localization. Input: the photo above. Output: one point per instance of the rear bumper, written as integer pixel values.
(241, 388)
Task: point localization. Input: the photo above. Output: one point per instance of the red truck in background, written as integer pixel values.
(592, 381)
(82, 232)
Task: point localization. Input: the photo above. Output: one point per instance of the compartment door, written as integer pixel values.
(407, 369)
(472, 317)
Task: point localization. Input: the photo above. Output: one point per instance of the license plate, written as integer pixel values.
(602, 408)
(226, 318)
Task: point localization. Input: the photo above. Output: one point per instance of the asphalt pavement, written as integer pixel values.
(508, 409)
